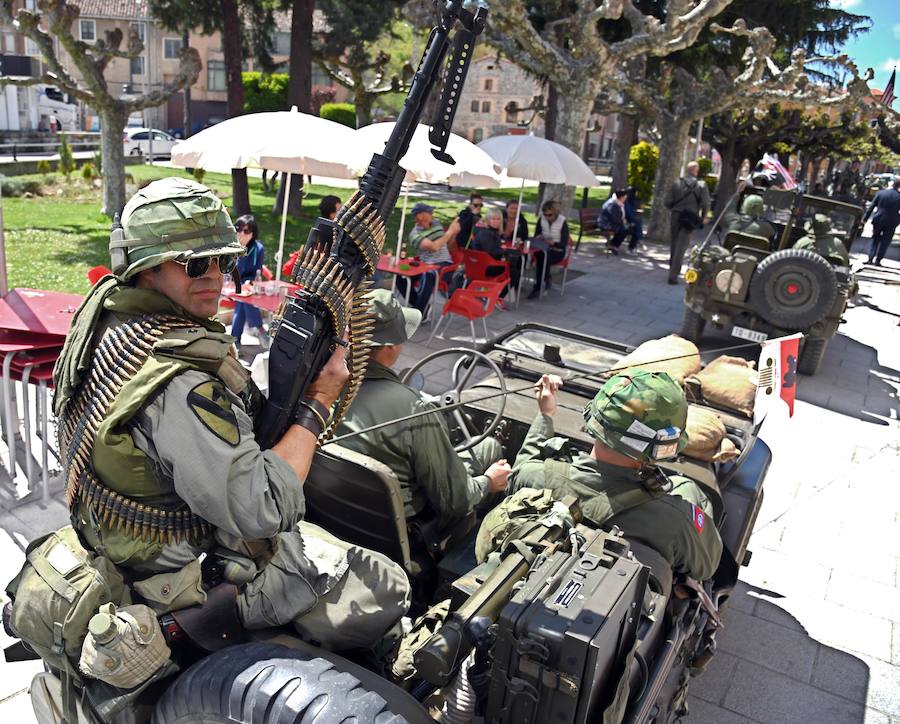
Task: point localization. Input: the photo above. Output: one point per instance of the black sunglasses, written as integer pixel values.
(197, 267)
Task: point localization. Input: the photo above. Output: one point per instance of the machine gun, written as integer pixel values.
(339, 256)
(437, 660)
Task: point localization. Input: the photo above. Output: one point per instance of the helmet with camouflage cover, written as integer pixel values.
(169, 219)
(640, 414)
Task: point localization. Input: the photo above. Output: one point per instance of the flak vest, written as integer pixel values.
(117, 502)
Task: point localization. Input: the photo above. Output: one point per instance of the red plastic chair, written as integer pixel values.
(477, 264)
(564, 265)
(97, 273)
(476, 301)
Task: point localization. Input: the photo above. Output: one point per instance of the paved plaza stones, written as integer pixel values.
(813, 634)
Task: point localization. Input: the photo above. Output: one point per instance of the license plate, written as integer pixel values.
(750, 334)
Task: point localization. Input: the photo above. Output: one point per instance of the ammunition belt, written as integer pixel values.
(118, 356)
(322, 274)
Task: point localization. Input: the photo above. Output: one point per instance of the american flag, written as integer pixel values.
(771, 162)
(887, 97)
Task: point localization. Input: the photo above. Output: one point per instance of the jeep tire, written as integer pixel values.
(811, 354)
(793, 288)
(263, 683)
(692, 325)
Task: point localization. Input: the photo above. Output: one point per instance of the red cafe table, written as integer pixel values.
(406, 268)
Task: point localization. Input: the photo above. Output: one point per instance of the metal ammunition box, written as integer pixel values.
(563, 637)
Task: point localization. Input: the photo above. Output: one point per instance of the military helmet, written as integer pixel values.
(752, 205)
(169, 219)
(819, 225)
(640, 414)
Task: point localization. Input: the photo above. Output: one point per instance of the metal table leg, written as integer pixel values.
(8, 413)
(45, 434)
(29, 463)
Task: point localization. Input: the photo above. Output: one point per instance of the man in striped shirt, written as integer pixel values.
(429, 241)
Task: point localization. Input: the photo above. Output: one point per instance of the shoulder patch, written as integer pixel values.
(210, 403)
(698, 517)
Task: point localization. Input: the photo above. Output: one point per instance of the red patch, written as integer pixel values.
(699, 518)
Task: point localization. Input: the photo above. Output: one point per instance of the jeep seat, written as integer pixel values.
(357, 499)
(738, 238)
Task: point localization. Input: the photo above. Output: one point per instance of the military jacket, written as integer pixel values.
(828, 246)
(677, 524)
(189, 438)
(749, 225)
(419, 452)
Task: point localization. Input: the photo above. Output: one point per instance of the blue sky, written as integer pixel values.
(878, 49)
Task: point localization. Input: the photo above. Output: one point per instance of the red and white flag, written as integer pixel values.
(777, 375)
(887, 95)
(771, 162)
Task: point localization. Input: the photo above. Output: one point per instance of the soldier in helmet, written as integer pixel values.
(749, 220)
(156, 428)
(821, 239)
(637, 419)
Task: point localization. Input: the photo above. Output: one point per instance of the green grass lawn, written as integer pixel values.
(53, 240)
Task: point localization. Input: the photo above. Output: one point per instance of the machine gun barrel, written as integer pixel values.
(438, 658)
(339, 255)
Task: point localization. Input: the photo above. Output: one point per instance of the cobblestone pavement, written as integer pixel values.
(814, 634)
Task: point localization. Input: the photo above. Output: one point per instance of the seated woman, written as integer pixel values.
(328, 209)
(509, 219)
(488, 239)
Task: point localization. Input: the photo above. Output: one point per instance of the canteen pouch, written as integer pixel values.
(60, 587)
(136, 653)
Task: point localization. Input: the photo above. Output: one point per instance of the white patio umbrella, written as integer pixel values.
(287, 141)
(537, 159)
(474, 168)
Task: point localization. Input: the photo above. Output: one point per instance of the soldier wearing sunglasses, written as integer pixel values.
(147, 388)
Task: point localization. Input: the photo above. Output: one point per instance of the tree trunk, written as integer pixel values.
(673, 137)
(364, 102)
(573, 108)
(231, 49)
(299, 90)
(628, 126)
(188, 124)
(112, 126)
(731, 167)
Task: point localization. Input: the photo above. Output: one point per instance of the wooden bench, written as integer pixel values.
(587, 224)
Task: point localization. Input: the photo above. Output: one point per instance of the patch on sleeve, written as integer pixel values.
(698, 517)
(210, 403)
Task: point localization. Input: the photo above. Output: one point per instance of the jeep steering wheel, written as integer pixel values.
(468, 360)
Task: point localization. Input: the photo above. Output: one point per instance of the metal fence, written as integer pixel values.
(25, 148)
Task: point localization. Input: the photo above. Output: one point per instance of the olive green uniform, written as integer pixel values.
(333, 593)
(828, 246)
(431, 473)
(678, 525)
(749, 225)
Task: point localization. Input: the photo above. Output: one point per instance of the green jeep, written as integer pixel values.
(758, 288)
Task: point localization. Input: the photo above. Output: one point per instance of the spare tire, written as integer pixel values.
(269, 684)
(793, 288)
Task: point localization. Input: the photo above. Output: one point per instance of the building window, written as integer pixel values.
(320, 77)
(281, 43)
(489, 84)
(512, 116)
(137, 66)
(485, 106)
(139, 29)
(31, 48)
(171, 48)
(88, 30)
(30, 5)
(9, 43)
(215, 75)
(474, 107)
(478, 135)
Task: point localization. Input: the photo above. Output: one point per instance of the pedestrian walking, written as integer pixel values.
(886, 206)
(688, 200)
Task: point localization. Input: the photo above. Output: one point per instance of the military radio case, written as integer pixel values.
(563, 638)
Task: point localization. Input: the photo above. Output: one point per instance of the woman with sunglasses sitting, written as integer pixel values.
(248, 266)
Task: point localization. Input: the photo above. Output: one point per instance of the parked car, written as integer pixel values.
(137, 142)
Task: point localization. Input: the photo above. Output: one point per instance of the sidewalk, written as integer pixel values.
(814, 635)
